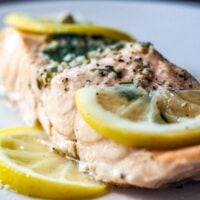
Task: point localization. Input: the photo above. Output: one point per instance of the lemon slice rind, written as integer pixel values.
(136, 134)
(28, 24)
(28, 182)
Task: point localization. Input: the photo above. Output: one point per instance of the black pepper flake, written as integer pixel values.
(119, 74)
(122, 176)
(121, 60)
(154, 87)
(45, 85)
(181, 75)
(65, 80)
(163, 116)
(170, 85)
(190, 85)
(138, 59)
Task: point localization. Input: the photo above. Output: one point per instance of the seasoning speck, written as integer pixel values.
(122, 176)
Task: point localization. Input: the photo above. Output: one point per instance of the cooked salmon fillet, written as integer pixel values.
(54, 106)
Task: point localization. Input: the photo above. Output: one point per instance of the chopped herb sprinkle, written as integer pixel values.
(54, 69)
(138, 59)
(67, 47)
(64, 51)
(130, 95)
(106, 70)
(72, 50)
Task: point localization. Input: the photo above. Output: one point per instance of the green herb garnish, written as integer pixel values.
(73, 45)
(106, 70)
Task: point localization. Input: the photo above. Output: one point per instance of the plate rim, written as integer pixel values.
(186, 5)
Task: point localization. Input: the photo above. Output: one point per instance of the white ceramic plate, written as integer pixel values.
(172, 28)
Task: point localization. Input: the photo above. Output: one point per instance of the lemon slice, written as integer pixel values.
(25, 23)
(161, 119)
(29, 167)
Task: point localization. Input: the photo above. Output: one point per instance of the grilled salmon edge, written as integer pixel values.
(106, 160)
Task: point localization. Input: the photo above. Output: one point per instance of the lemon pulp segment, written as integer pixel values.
(29, 167)
(135, 117)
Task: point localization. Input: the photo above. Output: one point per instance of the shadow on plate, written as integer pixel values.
(187, 191)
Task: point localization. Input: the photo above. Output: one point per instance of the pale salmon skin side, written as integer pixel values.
(54, 107)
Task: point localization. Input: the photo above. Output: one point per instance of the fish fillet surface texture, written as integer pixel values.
(55, 109)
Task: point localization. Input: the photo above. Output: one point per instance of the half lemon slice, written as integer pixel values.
(161, 119)
(26, 23)
(29, 167)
